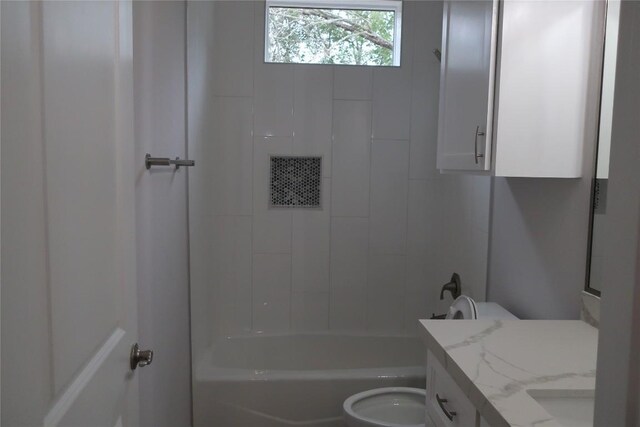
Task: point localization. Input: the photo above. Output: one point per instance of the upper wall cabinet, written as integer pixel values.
(516, 81)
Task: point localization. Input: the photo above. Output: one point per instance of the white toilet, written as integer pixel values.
(465, 308)
(405, 406)
(389, 406)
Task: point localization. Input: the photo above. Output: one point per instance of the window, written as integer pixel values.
(353, 32)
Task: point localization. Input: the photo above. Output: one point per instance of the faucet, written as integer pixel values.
(454, 286)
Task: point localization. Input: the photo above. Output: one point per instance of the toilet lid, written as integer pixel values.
(463, 308)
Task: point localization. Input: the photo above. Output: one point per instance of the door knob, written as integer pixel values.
(139, 357)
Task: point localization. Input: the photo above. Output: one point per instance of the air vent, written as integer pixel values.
(295, 182)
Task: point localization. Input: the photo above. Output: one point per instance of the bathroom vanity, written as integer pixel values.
(510, 372)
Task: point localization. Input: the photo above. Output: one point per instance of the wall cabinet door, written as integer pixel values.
(519, 97)
(467, 71)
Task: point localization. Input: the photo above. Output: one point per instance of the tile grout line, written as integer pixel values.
(253, 154)
(367, 299)
(330, 208)
(405, 320)
(291, 150)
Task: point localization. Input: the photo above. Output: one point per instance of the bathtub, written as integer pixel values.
(298, 380)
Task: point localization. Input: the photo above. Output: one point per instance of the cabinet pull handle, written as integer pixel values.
(448, 414)
(475, 144)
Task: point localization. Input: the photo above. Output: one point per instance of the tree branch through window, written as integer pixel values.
(331, 36)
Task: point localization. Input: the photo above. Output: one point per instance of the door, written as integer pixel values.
(469, 37)
(68, 241)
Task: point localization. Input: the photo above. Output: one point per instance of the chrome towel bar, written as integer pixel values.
(165, 161)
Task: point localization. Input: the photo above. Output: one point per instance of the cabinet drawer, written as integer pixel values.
(446, 403)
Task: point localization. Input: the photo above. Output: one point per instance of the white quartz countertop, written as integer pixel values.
(498, 362)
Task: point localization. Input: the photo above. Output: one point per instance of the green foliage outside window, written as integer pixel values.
(331, 36)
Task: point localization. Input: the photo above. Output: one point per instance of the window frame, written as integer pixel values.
(377, 5)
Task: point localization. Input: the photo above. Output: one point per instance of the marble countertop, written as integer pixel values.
(496, 363)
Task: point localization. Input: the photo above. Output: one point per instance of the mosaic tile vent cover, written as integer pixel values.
(295, 182)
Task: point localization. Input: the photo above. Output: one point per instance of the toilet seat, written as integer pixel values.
(386, 407)
(463, 308)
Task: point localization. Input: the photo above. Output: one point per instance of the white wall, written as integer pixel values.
(161, 210)
(617, 382)
(540, 228)
(538, 246)
(391, 230)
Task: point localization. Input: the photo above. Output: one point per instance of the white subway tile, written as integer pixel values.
(272, 232)
(385, 311)
(230, 157)
(311, 271)
(389, 193)
(231, 257)
(423, 218)
(352, 82)
(312, 112)
(349, 252)
(231, 261)
(419, 304)
(351, 158)
(271, 227)
(311, 246)
(273, 100)
(347, 309)
(264, 148)
(424, 114)
(422, 273)
(234, 317)
(310, 311)
(311, 226)
(233, 46)
(392, 103)
(272, 314)
(387, 274)
(311, 232)
(271, 292)
(385, 292)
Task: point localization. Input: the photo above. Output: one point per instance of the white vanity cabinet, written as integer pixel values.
(518, 88)
(446, 403)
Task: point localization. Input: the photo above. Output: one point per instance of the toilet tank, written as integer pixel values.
(491, 310)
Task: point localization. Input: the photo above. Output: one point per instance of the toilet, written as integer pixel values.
(405, 406)
(466, 308)
(389, 406)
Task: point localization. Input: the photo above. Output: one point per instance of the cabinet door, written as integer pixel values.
(469, 41)
(446, 403)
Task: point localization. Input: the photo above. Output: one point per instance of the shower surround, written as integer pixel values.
(390, 229)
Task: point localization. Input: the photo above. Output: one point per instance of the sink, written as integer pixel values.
(570, 408)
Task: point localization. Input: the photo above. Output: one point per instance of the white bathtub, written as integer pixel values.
(298, 380)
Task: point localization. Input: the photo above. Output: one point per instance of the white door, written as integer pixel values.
(469, 31)
(68, 242)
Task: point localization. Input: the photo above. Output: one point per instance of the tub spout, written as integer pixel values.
(454, 286)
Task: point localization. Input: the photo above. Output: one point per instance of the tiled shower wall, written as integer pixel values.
(391, 229)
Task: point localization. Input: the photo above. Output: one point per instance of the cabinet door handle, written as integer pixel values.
(475, 144)
(441, 402)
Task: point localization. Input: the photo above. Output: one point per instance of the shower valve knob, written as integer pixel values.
(139, 357)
